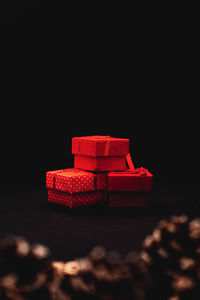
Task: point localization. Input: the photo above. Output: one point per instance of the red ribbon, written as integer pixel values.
(130, 162)
(142, 172)
(107, 147)
(107, 139)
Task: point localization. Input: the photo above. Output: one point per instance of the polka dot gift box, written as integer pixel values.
(74, 187)
(100, 153)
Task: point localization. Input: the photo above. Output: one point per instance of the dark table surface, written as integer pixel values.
(72, 233)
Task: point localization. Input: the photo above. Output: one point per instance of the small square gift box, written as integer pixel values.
(100, 153)
(136, 180)
(129, 188)
(73, 187)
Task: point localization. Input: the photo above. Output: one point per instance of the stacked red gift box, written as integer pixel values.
(103, 171)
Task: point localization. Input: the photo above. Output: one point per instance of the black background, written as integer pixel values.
(95, 69)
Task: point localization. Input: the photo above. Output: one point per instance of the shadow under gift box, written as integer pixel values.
(129, 188)
(75, 200)
(73, 187)
(100, 153)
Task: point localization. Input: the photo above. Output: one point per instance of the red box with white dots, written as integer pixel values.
(74, 187)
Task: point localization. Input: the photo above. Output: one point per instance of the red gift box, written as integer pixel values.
(137, 180)
(129, 188)
(100, 153)
(75, 181)
(75, 200)
(127, 199)
(73, 187)
(98, 145)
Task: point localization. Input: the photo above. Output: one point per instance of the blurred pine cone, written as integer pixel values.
(104, 275)
(25, 271)
(172, 254)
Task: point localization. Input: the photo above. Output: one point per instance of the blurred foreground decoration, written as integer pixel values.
(168, 268)
(172, 254)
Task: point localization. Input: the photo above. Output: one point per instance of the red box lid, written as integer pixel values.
(75, 181)
(139, 179)
(97, 145)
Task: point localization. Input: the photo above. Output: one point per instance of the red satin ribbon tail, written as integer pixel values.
(130, 162)
(107, 147)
